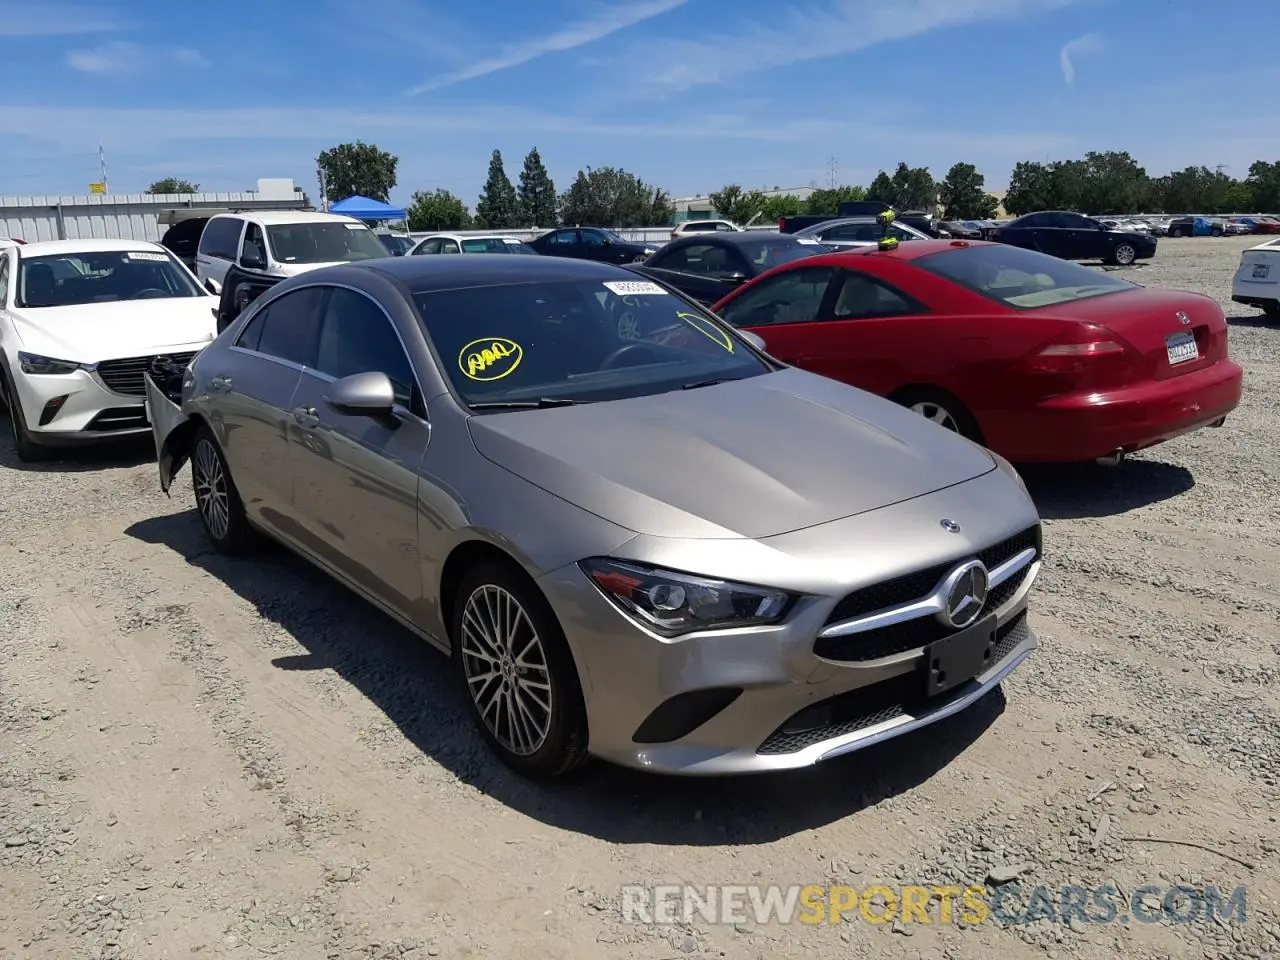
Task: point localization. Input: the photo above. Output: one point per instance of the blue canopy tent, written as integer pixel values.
(363, 208)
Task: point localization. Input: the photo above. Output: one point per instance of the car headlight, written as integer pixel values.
(34, 363)
(671, 603)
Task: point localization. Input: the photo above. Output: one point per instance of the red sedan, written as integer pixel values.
(1039, 359)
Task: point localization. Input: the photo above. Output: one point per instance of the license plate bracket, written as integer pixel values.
(1261, 271)
(1181, 347)
(960, 657)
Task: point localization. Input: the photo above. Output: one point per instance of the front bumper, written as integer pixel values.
(777, 698)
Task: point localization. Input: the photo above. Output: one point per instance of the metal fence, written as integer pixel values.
(651, 235)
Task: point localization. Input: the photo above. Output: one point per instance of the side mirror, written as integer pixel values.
(213, 286)
(754, 339)
(252, 259)
(362, 394)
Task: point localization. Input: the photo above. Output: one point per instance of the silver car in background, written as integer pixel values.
(851, 233)
(667, 550)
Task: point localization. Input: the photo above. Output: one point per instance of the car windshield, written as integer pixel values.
(495, 245)
(1021, 278)
(317, 242)
(577, 341)
(777, 250)
(71, 279)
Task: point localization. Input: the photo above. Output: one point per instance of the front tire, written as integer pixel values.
(517, 673)
(1123, 254)
(217, 500)
(29, 450)
(943, 409)
(1272, 309)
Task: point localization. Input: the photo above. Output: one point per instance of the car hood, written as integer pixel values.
(746, 459)
(106, 331)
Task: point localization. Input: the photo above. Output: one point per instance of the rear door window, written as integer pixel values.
(286, 328)
(795, 296)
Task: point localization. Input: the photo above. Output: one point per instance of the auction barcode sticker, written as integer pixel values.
(633, 288)
(140, 255)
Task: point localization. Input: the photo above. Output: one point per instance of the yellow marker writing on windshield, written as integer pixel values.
(489, 358)
(707, 329)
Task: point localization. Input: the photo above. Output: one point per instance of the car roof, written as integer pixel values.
(290, 216)
(736, 238)
(470, 236)
(42, 248)
(903, 251)
(426, 274)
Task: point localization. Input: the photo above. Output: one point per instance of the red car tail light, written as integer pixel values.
(1088, 355)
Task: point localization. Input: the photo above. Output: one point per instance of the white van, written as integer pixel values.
(282, 243)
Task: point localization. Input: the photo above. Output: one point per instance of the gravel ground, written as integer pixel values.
(200, 756)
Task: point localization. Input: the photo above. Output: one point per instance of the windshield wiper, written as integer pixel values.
(539, 404)
(708, 383)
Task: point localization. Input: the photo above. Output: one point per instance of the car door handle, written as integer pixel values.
(220, 384)
(306, 417)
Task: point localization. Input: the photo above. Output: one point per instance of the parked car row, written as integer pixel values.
(649, 518)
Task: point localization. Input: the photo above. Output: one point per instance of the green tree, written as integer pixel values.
(914, 189)
(1110, 182)
(439, 210)
(732, 203)
(963, 194)
(499, 206)
(357, 169)
(1264, 183)
(537, 193)
(173, 185)
(1193, 190)
(1241, 196)
(612, 197)
(1033, 186)
(881, 188)
(779, 206)
(828, 199)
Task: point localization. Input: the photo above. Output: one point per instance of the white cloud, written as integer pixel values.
(608, 20)
(1089, 43)
(121, 59)
(48, 18)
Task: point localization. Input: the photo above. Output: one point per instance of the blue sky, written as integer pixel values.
(688, 94)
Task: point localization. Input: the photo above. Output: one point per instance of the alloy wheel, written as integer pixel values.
(937, 413)
(1125, 254)
(211, 489)
(505, 666)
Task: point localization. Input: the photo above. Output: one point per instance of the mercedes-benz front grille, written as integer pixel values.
(126, 376)
(911, 633)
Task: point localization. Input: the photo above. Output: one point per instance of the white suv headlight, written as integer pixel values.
(34, 363)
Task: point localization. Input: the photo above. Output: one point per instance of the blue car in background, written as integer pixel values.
(1195, 227)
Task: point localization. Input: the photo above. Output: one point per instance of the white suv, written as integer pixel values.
(282, 243)
(687, 227)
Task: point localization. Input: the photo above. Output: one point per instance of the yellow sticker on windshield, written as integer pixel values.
(707, 329)
(489, 358)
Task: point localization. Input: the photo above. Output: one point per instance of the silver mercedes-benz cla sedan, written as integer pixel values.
(638, 536)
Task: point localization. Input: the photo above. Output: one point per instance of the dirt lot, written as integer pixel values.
(204, 757)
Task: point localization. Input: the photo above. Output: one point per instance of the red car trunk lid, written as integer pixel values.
(1161, 325)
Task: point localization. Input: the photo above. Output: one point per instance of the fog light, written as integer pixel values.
(51, 409)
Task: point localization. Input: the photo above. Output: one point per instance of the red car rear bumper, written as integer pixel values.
(1084, 426)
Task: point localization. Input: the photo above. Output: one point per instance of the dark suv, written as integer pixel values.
(1070, 236)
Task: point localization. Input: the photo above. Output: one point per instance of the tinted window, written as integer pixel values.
(577, 339)
(791, 297)
(767, 254)
(4, 281)
(254, 245)
(705, 259)
(1034, 220)
(221, 237)
(563, 237)
(486, 245)
(357, 337)
(863, 297)
(331, 241)
(592, 238)
(252, 331)
(1020, 278)
(289, 325)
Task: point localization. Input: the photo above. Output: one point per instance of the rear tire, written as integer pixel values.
(28, 449)
(217, 500)
(517, 673)
(942, 408)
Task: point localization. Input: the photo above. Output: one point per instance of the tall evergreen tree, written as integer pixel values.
(499, 207)
(537, 193)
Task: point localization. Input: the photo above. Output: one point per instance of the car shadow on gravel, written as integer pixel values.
(1255, 320)
(1074, 491)
(413, 686)
(122, 453)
